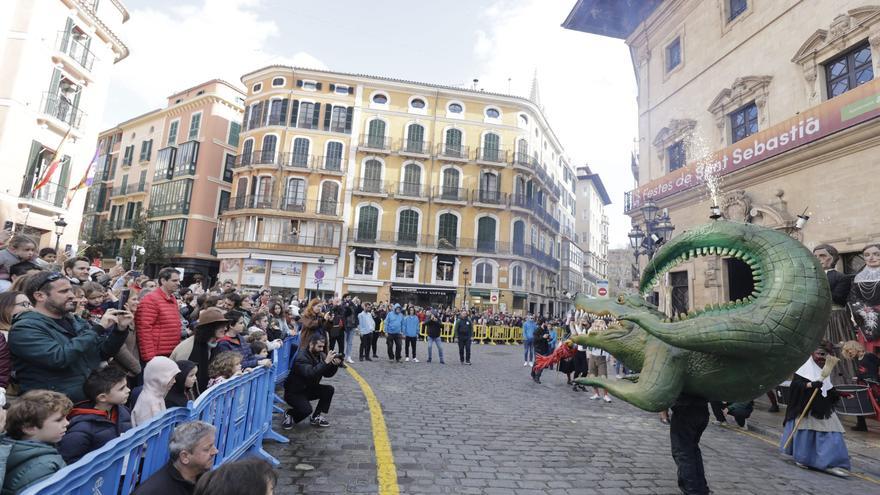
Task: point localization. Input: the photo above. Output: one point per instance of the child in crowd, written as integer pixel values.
(47, 257)
(99, 419)
(261, 336)
(97, 299)
(20, 248)
(186, 387)
(79, 296)
(159, 376)
(34, 424)
(259, 322)
(223, 367)
(260, 350)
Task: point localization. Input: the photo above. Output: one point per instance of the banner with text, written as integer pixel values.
(851, 108)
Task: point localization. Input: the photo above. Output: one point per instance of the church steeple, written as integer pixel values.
(534, 92)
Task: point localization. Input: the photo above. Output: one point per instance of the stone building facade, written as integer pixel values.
(772, 101)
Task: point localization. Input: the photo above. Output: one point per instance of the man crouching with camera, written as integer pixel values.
(304, 383)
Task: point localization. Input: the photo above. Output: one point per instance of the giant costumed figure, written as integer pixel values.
(734, 351)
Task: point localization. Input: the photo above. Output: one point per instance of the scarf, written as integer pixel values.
(812, 372)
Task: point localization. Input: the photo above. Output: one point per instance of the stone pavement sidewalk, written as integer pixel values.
(488, 429)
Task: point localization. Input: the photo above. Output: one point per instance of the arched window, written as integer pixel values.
(380, 99)
(453, 146)
(412, 180)
(451, 181)
(329, 198)
(415, 139)
(522, 152)
(486, 234)
(519, 188)
(263, 193)
(295, 195)
(372, 176)
(376, 134)
(368, 223)
(491, 147)
(247, 152)
(333, 160)
(267, 155)
(533, 276)
(241, 192)
(516, 276)
(300, 156)
(484, 273)
(408, 227)
(447, 231)
(489, 188)
(519, 237)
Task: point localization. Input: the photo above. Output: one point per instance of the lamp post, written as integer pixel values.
(318, 279)
(657, 230)
(466, 274)
(60, 224)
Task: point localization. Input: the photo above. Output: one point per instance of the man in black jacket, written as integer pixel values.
(192, 454)
(542, 347)
(464, 332)
(304, 383)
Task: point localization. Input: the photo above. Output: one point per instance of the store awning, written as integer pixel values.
(478, 292)
(363, 252)
(520, 294)
(424, 289)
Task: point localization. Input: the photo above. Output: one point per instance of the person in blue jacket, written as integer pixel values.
(411, 325)
(529, 340)
(394, 332)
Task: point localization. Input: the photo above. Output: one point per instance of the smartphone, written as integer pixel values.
(7, 225)
(68, 249)
(135, 273)
(119, 260)
(123, 299)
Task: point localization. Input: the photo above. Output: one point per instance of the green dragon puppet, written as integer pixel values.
(732, 352)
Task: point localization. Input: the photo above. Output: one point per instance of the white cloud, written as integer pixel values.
(177, 48)
(586, 85)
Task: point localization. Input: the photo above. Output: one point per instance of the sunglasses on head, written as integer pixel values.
(54, 276)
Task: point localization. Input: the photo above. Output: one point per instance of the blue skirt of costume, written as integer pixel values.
(817, 449)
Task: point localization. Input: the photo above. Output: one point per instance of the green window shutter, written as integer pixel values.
(244, 121)
(27, 184)
(328, 110)
(65, 40)
(348, 119)
(294, 112)
(63, 180)
(316, 116)
(283, 118)
(368, 223)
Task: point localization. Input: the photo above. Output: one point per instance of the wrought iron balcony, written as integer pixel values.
(159, 210)
(496, 156)
(524, 160)
(60, 108)
(411, 190)
(258, 157)
(298, 160)
(490, 197)
(373, 186)
(285, 241)
(285, 204)
(52, 193)
(375, 143)
(330, 163)
(453, 151)
(415, 147)
(69, 45)
(444, 193)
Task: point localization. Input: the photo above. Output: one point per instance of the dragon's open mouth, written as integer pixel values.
(687, 247)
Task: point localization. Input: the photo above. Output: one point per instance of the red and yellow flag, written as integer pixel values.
(53, 165)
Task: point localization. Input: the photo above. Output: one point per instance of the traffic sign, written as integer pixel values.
(603, 291)
(493, 297)
(602, 288)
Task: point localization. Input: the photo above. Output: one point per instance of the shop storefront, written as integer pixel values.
(423, 295)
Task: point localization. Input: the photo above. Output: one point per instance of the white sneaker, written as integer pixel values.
(531, 363)
(525, 363)
(618, 377)
(349, 359)
(415, 360)
(407, 360)
(594, 397)
(607, 399)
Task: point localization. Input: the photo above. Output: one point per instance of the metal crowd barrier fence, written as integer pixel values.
(240, 409)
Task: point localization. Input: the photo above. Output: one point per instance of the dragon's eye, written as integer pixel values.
(620, 299)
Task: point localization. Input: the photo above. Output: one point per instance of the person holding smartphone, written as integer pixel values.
(303, 384)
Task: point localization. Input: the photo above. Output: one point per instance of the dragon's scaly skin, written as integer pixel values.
(734, 351)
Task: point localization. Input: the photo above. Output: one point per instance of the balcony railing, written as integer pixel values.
(61, 109)
(296, 205)
(159, 210)
(492, 155)
(298, 160)
(173, 246)
(489, 197)
(444, 193)
(412, 190)
(415, 146)
(122, 223)
(524, 160)
(259, 157)
(70, 46)
(332, 240)
(379, 143)
(373, 186)
(330, 163)
(450, 243)
(522, 201)
(454, 151)
(165, 159)
(51, 193)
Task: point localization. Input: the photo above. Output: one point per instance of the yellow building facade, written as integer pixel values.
(396, 191)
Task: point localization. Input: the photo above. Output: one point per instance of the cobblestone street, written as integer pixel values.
(488, 429)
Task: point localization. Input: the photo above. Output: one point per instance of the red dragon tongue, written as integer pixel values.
(561, 352)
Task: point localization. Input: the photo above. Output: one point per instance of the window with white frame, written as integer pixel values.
(363, 263)
(257, 87)
(484, 273)
(406, 265)
(368, 223)
(277, 82)
(445, 269)
(172, 133)
(516, 276)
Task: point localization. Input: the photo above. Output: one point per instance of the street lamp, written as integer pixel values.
(60, 224)
(319, 279)
(466, 274)
(657, 230)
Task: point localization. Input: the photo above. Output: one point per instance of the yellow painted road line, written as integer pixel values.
(776, 444)
(386, 471)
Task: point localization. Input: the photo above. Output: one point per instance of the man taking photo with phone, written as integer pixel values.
(303, 384)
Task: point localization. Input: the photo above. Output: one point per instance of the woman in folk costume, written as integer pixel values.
(840, 328)
(864, 299)
(818, 442)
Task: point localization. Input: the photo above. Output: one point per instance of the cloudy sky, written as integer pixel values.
(586, 82)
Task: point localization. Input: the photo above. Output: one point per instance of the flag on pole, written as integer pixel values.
(53, 165)
(87, 178)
